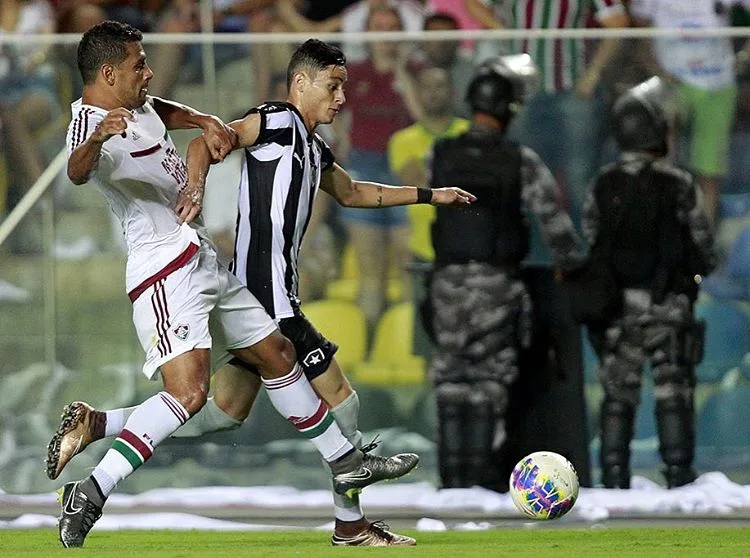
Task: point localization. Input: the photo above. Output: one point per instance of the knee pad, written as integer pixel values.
(675, 424)
(616, 429)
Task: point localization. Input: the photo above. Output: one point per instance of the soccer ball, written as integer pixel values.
(544, 485)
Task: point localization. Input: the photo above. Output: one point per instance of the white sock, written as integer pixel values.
(294, 398)
(116, 419)
(148, 425)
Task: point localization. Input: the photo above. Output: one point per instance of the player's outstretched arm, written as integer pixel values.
(219, 137)
(84, 158)
(200, 158)
(357, 193)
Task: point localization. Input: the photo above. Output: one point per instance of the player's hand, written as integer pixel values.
(219, 138)
(452, 196)
(189, 203)
(114, 123)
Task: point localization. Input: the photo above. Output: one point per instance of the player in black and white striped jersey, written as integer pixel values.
(278, 183)
(286, 163)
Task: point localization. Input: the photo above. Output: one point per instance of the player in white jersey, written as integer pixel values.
(286, 163)
(184, 301)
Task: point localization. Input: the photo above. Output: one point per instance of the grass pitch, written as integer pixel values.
(537, 543)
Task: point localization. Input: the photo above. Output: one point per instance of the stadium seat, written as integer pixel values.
(745, 366)
(727, 337)
(723, 426)
(347, 285)
(392, 359)
(734, 205)
(738, 264)
(342, 322)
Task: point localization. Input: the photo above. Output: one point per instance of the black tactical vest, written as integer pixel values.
(649, 247)
(493, 229)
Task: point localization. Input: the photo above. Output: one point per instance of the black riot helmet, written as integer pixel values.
(501, 85)
(639, 117)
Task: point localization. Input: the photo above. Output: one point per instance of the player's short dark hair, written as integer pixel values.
(104, 43)
(312, 56)
(441, 17)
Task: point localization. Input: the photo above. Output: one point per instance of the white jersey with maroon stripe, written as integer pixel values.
(140, 175)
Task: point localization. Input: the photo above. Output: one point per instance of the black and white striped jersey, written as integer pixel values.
(278, 183)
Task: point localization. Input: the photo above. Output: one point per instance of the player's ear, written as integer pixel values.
(298, 81)
(108, 73)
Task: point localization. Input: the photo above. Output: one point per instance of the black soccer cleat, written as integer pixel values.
(374, 469)
(78, 515)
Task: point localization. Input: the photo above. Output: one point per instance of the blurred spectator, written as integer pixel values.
(319, 10)
(182, 62)
(75, 19)
(29, 99)
(450, 56)
(563, 123)
(486, 14)
(127, 11)
(456, 9)
(409, 150)
(704, 69)
(647, 229)
(631, 63)
(353, 20)
(374, 111)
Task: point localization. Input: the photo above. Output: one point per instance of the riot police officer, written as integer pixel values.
(645, 219)
(480, 306)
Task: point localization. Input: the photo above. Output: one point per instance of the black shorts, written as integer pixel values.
(314, 352)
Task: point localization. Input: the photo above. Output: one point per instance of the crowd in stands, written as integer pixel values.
(401, 98)
(391, 116)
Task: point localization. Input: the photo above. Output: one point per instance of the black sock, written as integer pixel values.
(92, 489)
(347, 462)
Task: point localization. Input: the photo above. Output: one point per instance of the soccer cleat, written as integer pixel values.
(376, 534)
(374, 469)
(80, 424)
(78, 515)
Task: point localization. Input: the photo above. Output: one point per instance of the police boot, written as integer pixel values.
(479, 434)
(452, 400)
(616, 432)
(675, 425)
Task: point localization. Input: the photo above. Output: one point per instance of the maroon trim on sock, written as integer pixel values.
(140, 446)
(309, 422)
(278, 383)
(178, 411)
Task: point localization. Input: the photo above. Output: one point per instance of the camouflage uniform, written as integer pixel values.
(481, 317)
(664, 332)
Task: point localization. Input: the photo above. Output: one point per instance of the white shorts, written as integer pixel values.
(201, 305)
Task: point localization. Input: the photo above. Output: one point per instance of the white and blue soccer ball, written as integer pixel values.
(544, 485)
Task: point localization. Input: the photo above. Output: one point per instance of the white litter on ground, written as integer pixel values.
(710, 494)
